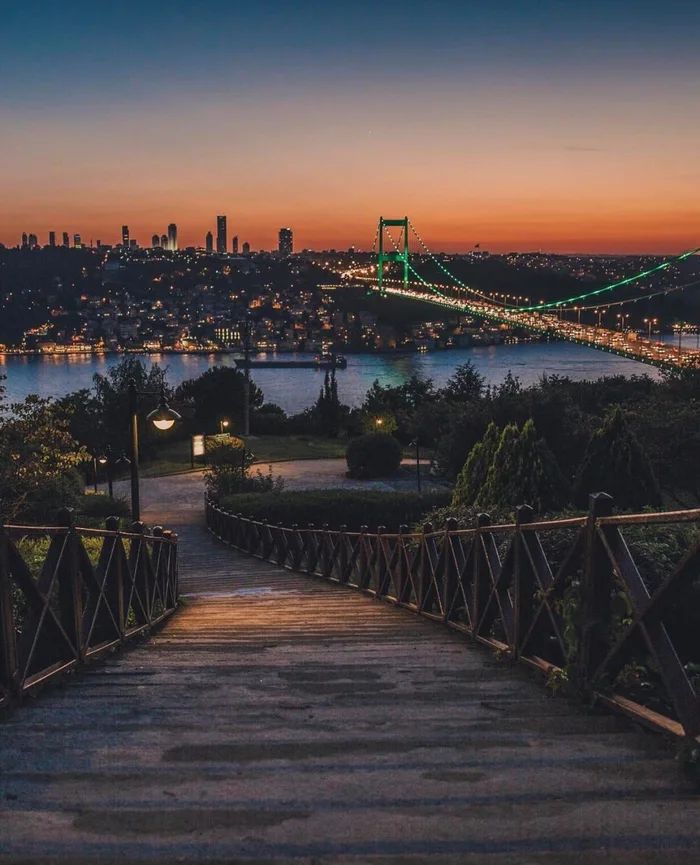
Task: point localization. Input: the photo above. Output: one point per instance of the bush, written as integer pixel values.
(269, 420)
(101, 507)
(374, 455)
(352, 508)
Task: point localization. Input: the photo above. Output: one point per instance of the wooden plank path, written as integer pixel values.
(280, 719)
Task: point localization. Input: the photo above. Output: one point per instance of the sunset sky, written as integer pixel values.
(517, 125)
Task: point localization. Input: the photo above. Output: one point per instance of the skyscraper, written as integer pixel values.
(77, 242)
(25, 240)
(52, 238)
(209, 242)
(125, 236)
(246, 248)
(66, 241)
(172, 237)
(221, 242)
(234, 244)
(164, 241)
(33, 241)
(286, 244)
(155, 241)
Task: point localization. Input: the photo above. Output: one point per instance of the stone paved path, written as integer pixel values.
(280, 719)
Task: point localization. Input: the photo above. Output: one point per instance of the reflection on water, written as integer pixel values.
(295, 389)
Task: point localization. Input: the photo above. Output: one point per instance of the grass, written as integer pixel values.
(174, 457)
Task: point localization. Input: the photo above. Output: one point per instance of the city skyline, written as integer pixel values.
(573, 129)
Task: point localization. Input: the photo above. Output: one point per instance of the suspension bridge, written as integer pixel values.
(545, 318)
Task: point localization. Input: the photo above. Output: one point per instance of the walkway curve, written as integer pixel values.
(280, 719)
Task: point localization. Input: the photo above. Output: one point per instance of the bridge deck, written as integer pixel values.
(277, 718)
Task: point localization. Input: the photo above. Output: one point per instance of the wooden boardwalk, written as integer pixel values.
(280, 719)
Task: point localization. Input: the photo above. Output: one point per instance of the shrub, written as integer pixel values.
(269, 420)
(616, 463)
(374, 455)
(352, 508)
(475, 470)
(97, 506)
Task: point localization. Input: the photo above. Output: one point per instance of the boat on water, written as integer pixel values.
(321, 361)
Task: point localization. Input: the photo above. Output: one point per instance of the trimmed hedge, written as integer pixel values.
(352, 508)
(374, 455)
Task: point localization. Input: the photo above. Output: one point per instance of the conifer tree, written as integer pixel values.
(616, 463)
(524, 472)
(472, 477)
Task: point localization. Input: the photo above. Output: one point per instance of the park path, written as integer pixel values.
(280, 719)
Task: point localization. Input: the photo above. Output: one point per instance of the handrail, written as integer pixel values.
(80, 593)
(542, 592)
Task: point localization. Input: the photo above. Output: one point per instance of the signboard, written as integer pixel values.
(198, 446)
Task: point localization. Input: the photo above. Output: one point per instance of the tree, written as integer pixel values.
(329, 410)
(475, 470)
(466, 385)
(38, 462)
(373, 455)
(218, 393)
(523, 472)
(616, 463)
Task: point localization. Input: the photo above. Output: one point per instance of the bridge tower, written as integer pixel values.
(398, 254)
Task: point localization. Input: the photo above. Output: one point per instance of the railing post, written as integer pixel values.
(363, 559)
(70, 589)
(594, 592)
(401, 571)
(342, 558)
(449, 575)
(483, 521)
(424, 579)
(114, 579)
(8, 640)
(523, 515)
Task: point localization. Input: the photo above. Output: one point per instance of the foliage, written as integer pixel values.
(373, 455)
(352, 508)
(269, 419)
(399, 402)
(615, 462)
(475, 470)
(228, 470)
(466, 385)
(38, 462)
(218, 394)
(100, 507)
(329, 410)
(523, 471)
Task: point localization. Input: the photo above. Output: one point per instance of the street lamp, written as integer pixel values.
(416, 444)
(163, 418)
(223, 425)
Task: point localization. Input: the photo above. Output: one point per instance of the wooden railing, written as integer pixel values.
(564, 596)
(68, 595)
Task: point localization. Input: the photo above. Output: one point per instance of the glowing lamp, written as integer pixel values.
(163, 418)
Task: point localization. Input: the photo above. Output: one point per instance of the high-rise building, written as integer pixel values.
(164, 241)
(172, 237)
(209, 242)
(125, 236)
(221, 241)
(66, 241)
(77, 242)
(33, 241)
(133, 243)
(25, 240)
(234, 245)
(155, 241)
(246, 248)
(52, 238)
(286, 244)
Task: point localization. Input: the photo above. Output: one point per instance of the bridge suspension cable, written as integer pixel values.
(610, 287)
(451, 275)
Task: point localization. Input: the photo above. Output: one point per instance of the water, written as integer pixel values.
(296, 389)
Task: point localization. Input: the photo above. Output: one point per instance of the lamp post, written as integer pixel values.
(162, 418)
(246, 372)
(105, 460)
(416, 444)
